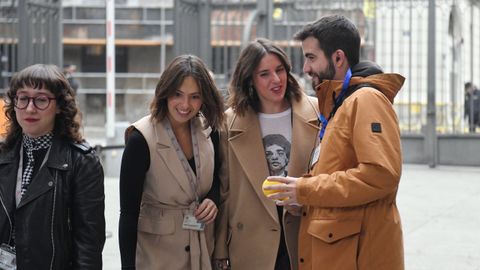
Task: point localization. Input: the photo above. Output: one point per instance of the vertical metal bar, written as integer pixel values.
(14, 49)
(430, 132)
(265, 22)
(205, 50)
(225, 39)
(392, 32)
(42, 35)
(410, 48)
(471, 42)
(110, 63)
(163, 40)
(57, 44)
(24, 43)
(453, 78)
(3, 47)
(286, 21)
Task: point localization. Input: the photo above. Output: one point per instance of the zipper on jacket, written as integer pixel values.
(8, 216)
(53, 218)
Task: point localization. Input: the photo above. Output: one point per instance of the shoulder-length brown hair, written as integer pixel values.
(48, 77)
(171, 79)
(240, 89)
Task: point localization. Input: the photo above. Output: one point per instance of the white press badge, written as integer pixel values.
(8, 259)
(191, 223)
(315, 156)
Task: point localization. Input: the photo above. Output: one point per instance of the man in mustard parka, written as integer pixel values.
(350, 219)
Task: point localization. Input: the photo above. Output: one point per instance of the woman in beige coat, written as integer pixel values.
(167, 187)
(265, 102)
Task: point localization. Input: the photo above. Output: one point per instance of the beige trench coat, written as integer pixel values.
(248, 224)
(162, 243)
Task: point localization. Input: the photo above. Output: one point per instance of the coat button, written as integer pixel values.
(330, 235)
(187, 248)
(304, 214)
(239, 226)
(65, 165)
(50, 183)
(301, 260)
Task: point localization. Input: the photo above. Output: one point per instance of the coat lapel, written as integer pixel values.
(168, 153)
(206, 156)
(304, 131)
(245, 138)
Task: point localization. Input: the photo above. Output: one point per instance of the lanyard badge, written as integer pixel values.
(8, 258)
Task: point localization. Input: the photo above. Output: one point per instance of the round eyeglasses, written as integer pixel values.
(40, 102)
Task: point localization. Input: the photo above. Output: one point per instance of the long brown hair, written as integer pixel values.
(242, 94)
(51, 78)
(177, 70)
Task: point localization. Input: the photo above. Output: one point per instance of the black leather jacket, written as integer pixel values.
(59, 223)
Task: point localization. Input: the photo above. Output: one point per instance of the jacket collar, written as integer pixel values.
(387, 83)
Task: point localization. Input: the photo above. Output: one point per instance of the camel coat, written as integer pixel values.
(248, 224)
(162, 243)
(350, 219)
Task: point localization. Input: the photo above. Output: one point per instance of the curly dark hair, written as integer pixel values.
(48, 77)
(242, 79)
(171, 79)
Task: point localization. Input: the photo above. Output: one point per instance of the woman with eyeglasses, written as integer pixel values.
(51, 181)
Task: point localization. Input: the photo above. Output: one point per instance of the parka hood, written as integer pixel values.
(365, 69)
(364, 73)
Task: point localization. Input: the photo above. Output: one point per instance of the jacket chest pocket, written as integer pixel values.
(335, 243)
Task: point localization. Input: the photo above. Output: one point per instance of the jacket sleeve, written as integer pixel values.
(221, 222)
(374, 137)
(214, 192)
(135, 164)
(88, 207)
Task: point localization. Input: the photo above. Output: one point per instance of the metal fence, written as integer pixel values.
(394, 34)
(30, 32)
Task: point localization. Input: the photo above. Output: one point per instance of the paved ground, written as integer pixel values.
(440, 211)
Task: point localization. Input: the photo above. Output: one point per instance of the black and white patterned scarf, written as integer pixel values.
(30, 145)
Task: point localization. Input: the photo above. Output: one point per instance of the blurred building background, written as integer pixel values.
(435, 44)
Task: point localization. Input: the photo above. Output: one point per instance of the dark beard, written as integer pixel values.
(327, 74)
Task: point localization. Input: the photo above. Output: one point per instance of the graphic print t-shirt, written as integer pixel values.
(277, 138)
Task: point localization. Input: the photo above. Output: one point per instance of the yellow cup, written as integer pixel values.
(270, 192)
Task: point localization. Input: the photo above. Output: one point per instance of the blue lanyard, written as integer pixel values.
(338, 100)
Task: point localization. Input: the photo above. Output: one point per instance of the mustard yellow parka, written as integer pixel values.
(350, 219)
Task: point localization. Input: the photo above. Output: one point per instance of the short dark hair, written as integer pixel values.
(171, 79)
(242, 78)
(334, 32)
(51, 78)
